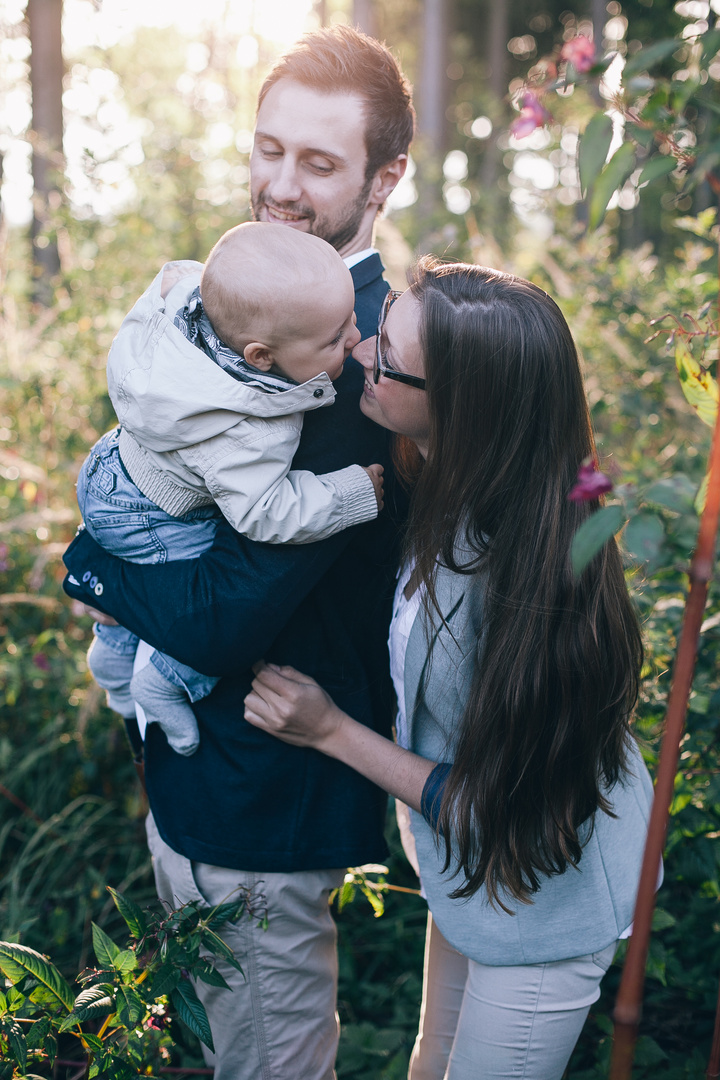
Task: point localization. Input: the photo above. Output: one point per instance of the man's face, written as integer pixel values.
(307, 167)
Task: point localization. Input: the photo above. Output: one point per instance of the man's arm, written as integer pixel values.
(220, 612)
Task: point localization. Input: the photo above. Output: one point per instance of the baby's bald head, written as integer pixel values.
(268, 283)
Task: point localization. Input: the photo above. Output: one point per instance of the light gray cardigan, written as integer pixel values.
(581, 911)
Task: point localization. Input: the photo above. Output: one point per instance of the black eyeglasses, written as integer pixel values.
(381, 366)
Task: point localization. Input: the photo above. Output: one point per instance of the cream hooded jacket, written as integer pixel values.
(192, 434)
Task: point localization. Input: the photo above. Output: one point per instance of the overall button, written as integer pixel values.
(318, 392)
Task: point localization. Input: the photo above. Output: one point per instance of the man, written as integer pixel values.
(334, 123)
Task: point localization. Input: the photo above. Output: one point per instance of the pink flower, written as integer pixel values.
(580, 52)
(41, 661)
(591, 484)
(532, 115)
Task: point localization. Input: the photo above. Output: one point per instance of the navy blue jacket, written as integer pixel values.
(245, 800)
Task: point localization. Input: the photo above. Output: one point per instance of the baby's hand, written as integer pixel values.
(375, 472)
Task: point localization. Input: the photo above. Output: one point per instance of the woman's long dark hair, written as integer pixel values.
(545, 730)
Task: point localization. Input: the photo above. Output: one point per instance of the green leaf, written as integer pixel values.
(699, 386)
(346, 895)
(131, 913)
(662, 919)
(376, 901)
(710, 41)
(657, 167)
(95, 1001)
(37, 1034)
(192, 1012)
(130, 1007)
(675, 493)
(3, 1004)
(164, 980)
(705, 163)
(216, 945)
(701, 496)
(94, 1043)
(593, 534)
(209, 974)
(105, 948)
(643, 537)
(16, 1042)
(613, 176)
(593, 149)
(125, 962)
(16, 961)
(644, 136)
(647, 1052)
(647, 58)
(229, 912)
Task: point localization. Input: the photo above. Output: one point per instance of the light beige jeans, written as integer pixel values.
(280, 1021)
(495, 1023)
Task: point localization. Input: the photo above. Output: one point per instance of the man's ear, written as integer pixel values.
(387, 178)
(258, 356)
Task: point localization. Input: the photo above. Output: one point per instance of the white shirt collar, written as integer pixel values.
(352, 260)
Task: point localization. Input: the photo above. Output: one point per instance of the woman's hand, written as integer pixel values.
(293, 707)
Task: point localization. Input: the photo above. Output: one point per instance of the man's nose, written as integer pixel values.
(285, 185)
(354, 336)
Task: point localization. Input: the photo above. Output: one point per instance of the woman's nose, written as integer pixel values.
(364, 353)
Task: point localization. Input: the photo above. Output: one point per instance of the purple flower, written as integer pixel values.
(591, 484)
(580, 52)
(41, 661)
(532, 115)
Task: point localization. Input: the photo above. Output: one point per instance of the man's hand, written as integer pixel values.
(293, 707)
(375, 472)
(98, 616)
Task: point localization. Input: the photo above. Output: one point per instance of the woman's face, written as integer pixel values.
(392, 404)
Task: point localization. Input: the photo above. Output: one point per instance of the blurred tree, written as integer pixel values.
(364, 15)
(46, 81)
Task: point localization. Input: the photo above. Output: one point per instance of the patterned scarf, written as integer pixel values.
(192, 321)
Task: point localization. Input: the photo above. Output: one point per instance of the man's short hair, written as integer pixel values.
(340, 60)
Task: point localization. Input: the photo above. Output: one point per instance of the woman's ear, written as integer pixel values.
(258, 356)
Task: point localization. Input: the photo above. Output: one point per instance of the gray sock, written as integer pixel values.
(112, 671)
(168, 706)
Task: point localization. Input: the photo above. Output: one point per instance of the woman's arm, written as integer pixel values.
(294, 708)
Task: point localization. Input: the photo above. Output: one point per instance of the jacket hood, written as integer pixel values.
(169, 394)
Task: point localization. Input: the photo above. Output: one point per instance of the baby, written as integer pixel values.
(210, 375)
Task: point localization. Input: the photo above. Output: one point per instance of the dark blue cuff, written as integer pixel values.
(431, 798)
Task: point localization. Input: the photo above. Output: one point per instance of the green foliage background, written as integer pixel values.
(71, 812)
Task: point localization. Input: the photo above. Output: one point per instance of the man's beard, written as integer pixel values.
(337, 234)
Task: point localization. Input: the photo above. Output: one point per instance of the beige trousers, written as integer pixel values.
(280, 1021)
(501, 1023)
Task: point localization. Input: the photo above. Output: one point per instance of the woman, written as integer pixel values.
(515, 681)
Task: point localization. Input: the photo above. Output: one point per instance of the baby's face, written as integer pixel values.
(327, 336)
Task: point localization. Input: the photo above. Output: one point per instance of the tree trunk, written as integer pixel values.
(497, 61)
(46, 75)
(364, 16)
(433, 89)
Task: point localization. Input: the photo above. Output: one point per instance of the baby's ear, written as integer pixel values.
(258, 356)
